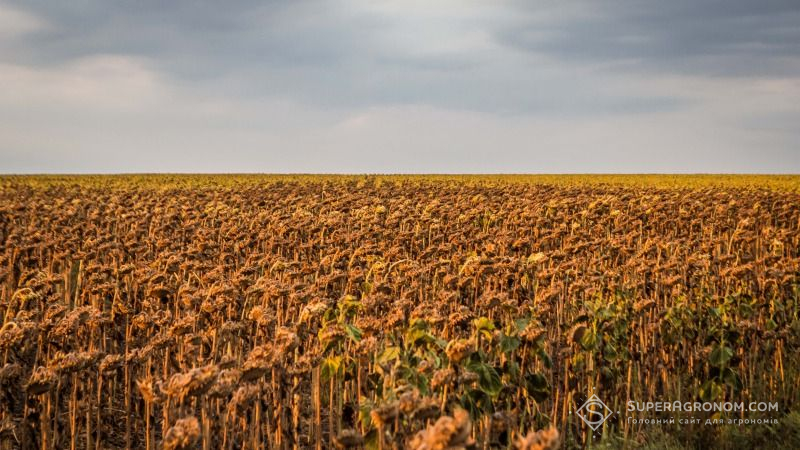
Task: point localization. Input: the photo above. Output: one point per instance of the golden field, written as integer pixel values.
(423, 312)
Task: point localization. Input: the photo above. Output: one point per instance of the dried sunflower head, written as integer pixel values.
(150, 390)
(348, 438)
(183, 435)
(384, 414)
(459, 349)
(547, 439)
(41, 380)
(451, 433)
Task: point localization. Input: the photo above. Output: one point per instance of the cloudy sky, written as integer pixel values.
(401, 86)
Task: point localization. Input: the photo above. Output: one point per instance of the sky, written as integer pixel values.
(348, 86)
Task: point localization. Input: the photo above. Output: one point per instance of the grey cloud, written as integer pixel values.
(320, 53)
(717, 38)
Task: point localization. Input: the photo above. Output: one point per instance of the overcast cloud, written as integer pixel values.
(406, 86)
